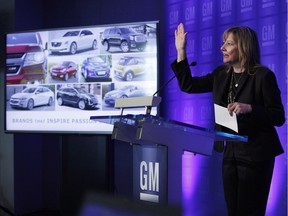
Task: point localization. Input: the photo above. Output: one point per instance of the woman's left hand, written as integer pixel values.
(239, 108)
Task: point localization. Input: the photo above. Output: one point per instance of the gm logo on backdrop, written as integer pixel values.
(150, 173)
(190, 15)
(225, 11)
(207, 10)
(205, 21)
(226, 8)
(269, 29)
(207, 45)
(174, 17)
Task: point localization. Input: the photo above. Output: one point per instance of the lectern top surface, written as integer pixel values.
(140, 120)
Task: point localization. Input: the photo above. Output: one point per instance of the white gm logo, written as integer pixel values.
(149, 181)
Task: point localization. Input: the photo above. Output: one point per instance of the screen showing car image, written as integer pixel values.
(56, 79)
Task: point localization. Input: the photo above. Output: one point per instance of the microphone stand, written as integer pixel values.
(192, 64)
(148, 108)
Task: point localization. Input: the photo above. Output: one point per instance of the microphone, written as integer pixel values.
(192, 64)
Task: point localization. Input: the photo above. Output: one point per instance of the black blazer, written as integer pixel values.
(260, 90)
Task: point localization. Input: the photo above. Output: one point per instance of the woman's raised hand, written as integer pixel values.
(180, 42)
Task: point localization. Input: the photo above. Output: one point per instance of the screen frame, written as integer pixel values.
(109, 128)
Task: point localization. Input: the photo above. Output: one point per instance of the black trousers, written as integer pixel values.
(246, 185)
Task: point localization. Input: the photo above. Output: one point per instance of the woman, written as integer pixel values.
(249, 90)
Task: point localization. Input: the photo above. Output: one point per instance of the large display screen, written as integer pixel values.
(57, 78)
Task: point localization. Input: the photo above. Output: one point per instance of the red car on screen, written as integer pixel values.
(25, 58)
(64, 70)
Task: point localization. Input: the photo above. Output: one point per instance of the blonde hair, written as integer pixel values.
(248, 46)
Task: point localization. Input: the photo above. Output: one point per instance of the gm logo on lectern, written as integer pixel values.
(149, 181)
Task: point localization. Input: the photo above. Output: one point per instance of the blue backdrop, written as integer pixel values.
(205, 21)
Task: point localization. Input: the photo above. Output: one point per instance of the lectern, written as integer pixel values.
(161, 181)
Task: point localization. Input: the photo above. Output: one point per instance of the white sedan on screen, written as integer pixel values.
(31, 97)
(73, 41)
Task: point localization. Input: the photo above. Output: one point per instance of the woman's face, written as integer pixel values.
(230, 50)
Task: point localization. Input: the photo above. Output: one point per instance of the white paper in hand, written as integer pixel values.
(222, 117)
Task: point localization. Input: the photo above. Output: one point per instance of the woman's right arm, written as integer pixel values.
(181, 68)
